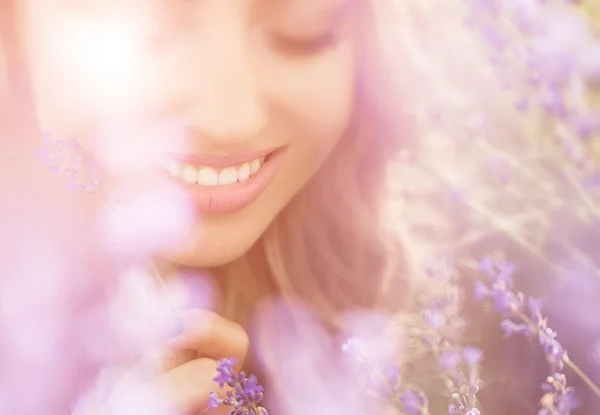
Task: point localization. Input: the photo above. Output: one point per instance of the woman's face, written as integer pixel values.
(210, 88)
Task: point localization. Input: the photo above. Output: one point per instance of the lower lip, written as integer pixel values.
(229, 198)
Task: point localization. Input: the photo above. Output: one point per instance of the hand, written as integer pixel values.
(185, 375)
(188, 384)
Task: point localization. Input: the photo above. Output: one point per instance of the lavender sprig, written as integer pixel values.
(462, 378)
(441, 312)
(559, 398)
(523, 315)
(383, 380)
(68, 157)
(245, 394)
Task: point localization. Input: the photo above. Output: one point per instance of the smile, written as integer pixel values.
(223, 184)
(210, 176)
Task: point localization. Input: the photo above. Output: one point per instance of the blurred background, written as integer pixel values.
(510, 117)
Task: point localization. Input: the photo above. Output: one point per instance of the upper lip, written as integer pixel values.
(223, 161)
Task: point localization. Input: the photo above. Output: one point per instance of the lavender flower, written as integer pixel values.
(413, 403)
(383, 380)
(245, 393)
(559, 398)
(68, 157)
(441, 313)
(462, 378)
(498, 289)
(441, 307)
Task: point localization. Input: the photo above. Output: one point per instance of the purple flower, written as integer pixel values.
(591, 182)
(510, 327)
(441, 315)
(68, 157)
(552, 101)
(252, 391)
(481, 291)
(246, 393)
(463, 384)
(434, 319)
(381, 378)
(505, 301)
(535, 309)
(214, 401)
(472, 355)
(559, 399)
(586, 125)
(525, 13)
(413, 403)
(227, 375)
(499, 291)
(450, 359)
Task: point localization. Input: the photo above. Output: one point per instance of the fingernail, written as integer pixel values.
(176, 328)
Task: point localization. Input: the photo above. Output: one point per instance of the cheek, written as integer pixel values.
(316, 98)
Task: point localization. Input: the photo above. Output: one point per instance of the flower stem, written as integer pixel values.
(585, 378)
(590, 383)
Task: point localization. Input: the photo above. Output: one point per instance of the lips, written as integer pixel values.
(224, 184)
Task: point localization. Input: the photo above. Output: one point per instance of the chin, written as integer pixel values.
(210, 253)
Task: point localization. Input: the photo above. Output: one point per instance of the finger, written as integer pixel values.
(188, 387)
(211, 335)
(173, 358)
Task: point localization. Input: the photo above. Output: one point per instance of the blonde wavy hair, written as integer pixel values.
(330, 247)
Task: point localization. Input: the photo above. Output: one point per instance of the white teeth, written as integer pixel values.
(254, 166)
(243, 172)
(208, 176)
(189, 174)
(228, 176)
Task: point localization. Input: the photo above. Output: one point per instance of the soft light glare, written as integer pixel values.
(103, 54)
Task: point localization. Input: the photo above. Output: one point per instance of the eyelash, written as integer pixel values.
(304, 47)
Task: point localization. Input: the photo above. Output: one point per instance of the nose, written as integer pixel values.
(219, 96)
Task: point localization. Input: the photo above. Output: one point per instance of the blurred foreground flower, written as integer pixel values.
(302, 360)
(68, 157)
(146, 219)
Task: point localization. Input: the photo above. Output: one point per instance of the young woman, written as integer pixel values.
(287, 115)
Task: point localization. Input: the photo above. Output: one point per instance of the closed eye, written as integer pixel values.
(295, 46)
